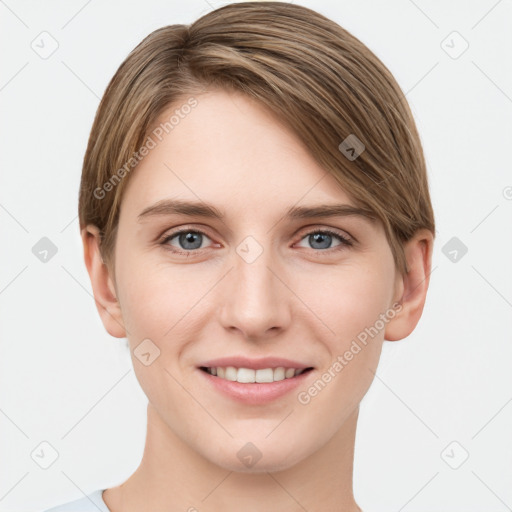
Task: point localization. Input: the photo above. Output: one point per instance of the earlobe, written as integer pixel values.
(412, 286)
(102, 283)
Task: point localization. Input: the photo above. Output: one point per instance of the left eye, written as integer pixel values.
(323, 239)
(191, 240)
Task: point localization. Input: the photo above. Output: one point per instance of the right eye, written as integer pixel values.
(189, 240)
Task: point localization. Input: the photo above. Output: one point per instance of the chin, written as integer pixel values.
(252, 458)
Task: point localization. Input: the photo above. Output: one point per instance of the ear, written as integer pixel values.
(102, 283)
(411, 288)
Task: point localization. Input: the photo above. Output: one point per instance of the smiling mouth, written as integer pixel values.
(249, 375)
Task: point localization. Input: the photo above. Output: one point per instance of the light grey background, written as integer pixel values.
(64, 381)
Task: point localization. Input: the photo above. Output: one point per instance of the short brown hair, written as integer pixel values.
(315, 76)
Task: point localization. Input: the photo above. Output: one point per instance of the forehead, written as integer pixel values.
(229, 150)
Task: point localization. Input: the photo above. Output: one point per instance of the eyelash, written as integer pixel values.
(345, 242)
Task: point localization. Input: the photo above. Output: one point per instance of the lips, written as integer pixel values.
(254, 364)
(237, 382)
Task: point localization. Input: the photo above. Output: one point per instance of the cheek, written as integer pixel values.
(155, 297)
(347, 299)
(156, 303)
(350, 304)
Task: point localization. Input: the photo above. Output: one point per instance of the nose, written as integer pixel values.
(254, 299)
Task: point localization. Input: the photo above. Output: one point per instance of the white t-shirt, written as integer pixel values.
(91, 503)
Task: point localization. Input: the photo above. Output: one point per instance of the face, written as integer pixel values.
(255, 283)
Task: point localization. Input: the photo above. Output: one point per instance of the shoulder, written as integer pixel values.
(91, 503)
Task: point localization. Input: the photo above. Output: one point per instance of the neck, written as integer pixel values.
(172, 476)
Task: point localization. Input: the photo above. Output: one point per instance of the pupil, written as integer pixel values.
(318, 238)
(188, 238)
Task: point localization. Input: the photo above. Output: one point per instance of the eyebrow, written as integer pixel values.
(201, 209)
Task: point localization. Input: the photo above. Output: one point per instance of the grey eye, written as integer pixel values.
(188, 240)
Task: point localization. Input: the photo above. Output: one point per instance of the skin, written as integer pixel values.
(297, 300)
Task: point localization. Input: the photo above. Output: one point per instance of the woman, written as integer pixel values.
(256, 220)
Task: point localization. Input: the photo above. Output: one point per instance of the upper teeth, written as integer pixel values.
(247, 375)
